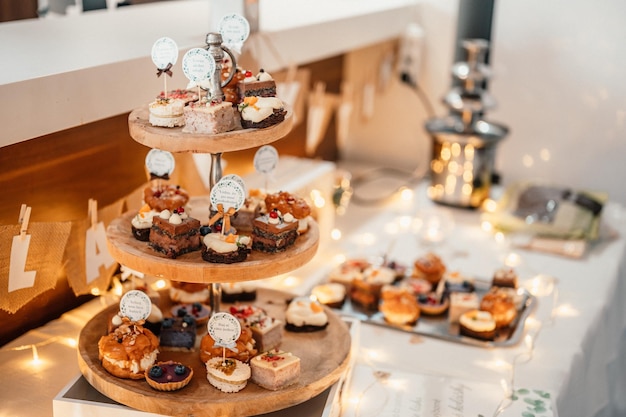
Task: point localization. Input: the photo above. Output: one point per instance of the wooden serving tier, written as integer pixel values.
(175, 140)
(324, 356)
(190, 267)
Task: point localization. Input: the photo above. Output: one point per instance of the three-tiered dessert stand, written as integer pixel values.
(323, 354)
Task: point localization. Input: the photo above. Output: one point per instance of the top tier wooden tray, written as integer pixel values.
(190, 267)
(175, 140)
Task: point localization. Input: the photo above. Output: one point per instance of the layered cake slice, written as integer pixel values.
(211, 118)
(178, 333)
(166, 112)
(275, 369)
(273, 232)
(267, 331)
(174, 234)
(263, 85)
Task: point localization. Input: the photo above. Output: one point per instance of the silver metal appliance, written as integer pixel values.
(464, 143)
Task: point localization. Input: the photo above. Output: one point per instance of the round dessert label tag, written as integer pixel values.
(135, 305)
(198, 65)
(160, 163)
(238, 180)
(266, 159)
(227, 192)
(164, 52)
(234, 29)
(225, 329)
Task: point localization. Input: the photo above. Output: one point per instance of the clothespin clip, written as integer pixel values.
(92, 212)
(23, 220)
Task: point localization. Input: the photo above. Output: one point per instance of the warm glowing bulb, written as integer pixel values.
(71, 342)
(335, 234)
(95, 291)
(406, 194)
(486, 226)
(36, 361)
(160, 284)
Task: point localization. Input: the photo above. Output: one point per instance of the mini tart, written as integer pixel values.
(168, 376)
(478, 325)
(228, 375)
(430, 306)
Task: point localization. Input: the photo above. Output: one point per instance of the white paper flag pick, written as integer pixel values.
(234, 29)
(96, 252)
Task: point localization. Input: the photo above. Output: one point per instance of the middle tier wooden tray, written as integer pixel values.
(175, 140)
(324, 357)
(190, 267)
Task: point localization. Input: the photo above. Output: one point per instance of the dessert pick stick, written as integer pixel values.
(440, 287)
(92, 211)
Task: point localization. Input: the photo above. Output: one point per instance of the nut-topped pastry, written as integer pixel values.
(429, 267)
(129, 350)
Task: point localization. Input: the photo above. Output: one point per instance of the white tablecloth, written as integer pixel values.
(578, 353)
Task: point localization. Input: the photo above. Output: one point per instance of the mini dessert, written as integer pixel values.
(165, 197)
(477, 324)
(418, 286)
(239, 291)
(231, 90)
(178, 334)
(168, 376)
(460, 302)
(398, 305)
(399, 269)
(456, 282)
(253, 207)
(189, 292)
(174, 233)
(431, 305)
(274, 232)
(267, 331)
(305, 315)
(228, 375)
(505, 277)
(288, 203)
(198, 311)
(501, 305)
(142, 222)
(429, 267)
(187, 96)
(261, 112)
(208, 117)
(331, 294)
(366, 291)
(245, 348)
(348, 271)
(128, 351)
(166, 112)
(263, 85)
(275, 370)
(225, 249)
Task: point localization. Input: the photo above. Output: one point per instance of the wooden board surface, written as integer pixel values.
(175, 140)
(190, 267)
(324, 357)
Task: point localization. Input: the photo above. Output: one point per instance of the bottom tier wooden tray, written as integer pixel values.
(324, 357)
